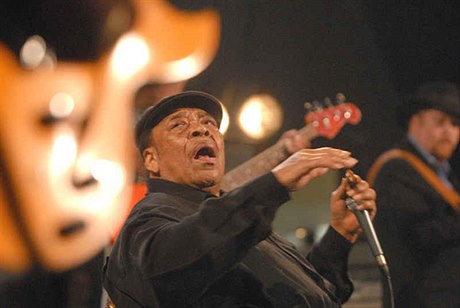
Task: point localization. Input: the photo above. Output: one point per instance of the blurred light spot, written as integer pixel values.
(110, 175)
(131, 55)
(260, 116)
(183, 69)
(33, 52)
(301, 233)
(63, 153)
(61, 105)
(49, 61)
(225, 120)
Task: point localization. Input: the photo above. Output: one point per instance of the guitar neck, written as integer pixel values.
(262, 162)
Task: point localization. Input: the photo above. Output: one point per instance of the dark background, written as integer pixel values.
(375, 52)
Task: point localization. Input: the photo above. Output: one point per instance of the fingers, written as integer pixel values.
(364, 195)
(294, 141)
(327, 157)
(361, 192)
(307, 164)
(304, 161)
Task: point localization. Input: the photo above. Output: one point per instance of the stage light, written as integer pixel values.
(260, 116)
(301, 233)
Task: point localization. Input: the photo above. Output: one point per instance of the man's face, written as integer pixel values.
(187, 148)
(436, 131)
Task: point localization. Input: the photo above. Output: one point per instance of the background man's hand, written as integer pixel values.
(293, 141)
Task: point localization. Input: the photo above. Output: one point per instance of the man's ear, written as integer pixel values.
(414, 125)
(151, 160)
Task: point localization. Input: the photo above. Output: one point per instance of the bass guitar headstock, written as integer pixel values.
(328, 117)
(61, 208)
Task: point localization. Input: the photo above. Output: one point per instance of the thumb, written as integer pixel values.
(340, 192)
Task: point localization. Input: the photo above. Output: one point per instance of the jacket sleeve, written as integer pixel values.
(183, 258)
(330, 258)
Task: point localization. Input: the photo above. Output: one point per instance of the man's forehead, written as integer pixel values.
(435, 113)
(439, 115)
(186, 112)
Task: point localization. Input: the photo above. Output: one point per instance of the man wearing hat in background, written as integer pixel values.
(193, 245)
(419, 219)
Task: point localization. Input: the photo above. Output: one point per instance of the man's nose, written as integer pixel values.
(199, 130)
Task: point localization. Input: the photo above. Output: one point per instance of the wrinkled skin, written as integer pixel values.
(175, 151)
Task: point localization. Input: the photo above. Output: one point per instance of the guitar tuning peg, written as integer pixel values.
(317, 105)
(340, 98)
(313, 106)
(308, 106)
(328, 102)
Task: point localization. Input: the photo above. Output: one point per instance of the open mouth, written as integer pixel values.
(205, 152)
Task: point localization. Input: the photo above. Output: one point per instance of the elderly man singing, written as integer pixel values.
(190, 244)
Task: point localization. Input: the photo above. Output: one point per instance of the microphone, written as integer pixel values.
(365, 222)
(368, 229)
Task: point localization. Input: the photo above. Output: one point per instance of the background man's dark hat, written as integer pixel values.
(439, 95)
(188, 99)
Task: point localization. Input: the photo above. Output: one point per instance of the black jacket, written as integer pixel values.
(191, 249)
(420, 235)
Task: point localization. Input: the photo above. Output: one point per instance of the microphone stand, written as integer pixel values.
(368, 229)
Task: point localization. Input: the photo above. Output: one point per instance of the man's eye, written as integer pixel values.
(210, 122)
(178, 124)
(440, 122)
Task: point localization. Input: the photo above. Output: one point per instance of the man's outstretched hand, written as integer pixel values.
(307, 164)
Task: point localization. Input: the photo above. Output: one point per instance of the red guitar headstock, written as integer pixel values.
(328, 118)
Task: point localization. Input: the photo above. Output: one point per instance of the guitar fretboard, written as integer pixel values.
(262, 162)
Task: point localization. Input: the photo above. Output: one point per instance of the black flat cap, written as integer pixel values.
(439, 95)
(188, 99)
